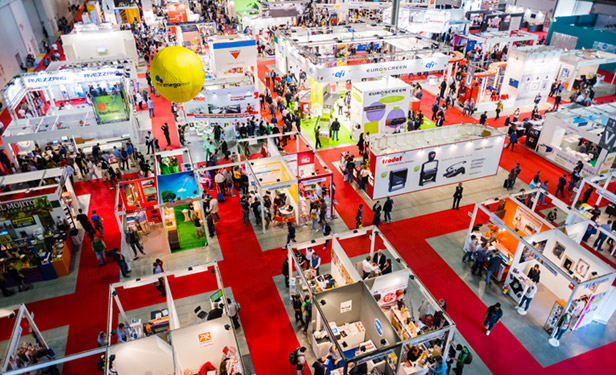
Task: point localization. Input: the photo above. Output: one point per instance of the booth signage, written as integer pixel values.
(205, 338)
(608, 138)
(109, 108)
(41, 79)
(18, 206)
(435, 166)
(346, 306)
(5, 238)
(24, 220)
(229, 102)
(497, 221)
(378, 326)
(342, 73)
(374, 356)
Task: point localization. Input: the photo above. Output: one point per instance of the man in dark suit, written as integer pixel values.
(379, 259)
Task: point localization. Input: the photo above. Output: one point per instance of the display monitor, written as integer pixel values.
(216, 296)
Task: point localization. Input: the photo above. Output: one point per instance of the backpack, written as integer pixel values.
(293, 357)
(469, 357)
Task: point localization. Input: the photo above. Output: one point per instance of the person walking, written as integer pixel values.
(121, 262)
(165, 129)
(307, 309)
(150, 107)
(91, 171)
(462, 359)
(469, 247)
(317, 140)
(99, 248)
(149, 142)
(457, 196)
(513, 139)
(123, 159)
(607, 228)
(376, 209)
(494, 264)
(85, 222)
(387, 208)
(98, 222)
(483, 118)
(526, 298)
(562, 182)
(499, 108)
(493, 314)
(513, 176)
(290, 234)
(297, 308)
(234, 310)
(557, 101)
(133, 239)
(358, 216)
(335, 129)
(300, 360)
(481, 255)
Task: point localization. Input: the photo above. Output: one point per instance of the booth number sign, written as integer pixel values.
(608, 138)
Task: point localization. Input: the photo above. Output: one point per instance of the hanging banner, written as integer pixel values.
(234, 56)
(177, 13)
(427, 64)
(415, 170)
(229, 102)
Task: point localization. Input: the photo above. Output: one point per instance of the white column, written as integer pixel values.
(24, 26)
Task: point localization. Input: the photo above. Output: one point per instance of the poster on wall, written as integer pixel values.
(526, 222)
(381, 110)
(409, 171)
(233, 57)
(281, 9)
(109, 108)
(177, 13)
(390, 288)
(229, 102)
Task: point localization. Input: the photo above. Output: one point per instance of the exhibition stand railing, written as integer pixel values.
(385, 303)
(171, 340)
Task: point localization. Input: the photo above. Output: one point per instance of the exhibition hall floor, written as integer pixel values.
(527, 329)
(420, 233)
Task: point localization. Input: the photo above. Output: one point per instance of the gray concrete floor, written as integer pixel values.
(173, 261)
(475, 368)
(527, 329)
(438, 199)
(275, 237)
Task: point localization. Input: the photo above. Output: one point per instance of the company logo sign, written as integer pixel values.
(175, 85)
(392, 160)
(339, 74)
(378, 326)
(235, 54)
(205, 337)
(430, 64)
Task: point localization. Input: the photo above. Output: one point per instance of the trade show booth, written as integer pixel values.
(411, 325)
(91, 41)
(176, 337)
(26, 341)
(505, 222)
(572, 136)
(530, 71)
(380, 106)
(232, 55)
(38, 233)
(407, 162)
(579, 66)
(82, 104)
(576, 281)
(350, 318)
(138, 209)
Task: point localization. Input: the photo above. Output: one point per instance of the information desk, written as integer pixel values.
(61, 261)
(159, 321)
(322, 282)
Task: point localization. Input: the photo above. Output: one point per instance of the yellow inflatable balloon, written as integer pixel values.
(177, 74)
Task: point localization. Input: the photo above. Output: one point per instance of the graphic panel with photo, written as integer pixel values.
(559, 250)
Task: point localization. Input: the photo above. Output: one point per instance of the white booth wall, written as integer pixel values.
(198, 344)
(85, 45)
(150, 355)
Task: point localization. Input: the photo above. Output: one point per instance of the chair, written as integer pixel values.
(200, 313)
(278, 220)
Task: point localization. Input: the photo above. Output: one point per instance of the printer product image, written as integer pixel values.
(397, 179)
(455, 169)
(429, 169)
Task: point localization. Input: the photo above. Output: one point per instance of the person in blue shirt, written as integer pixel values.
(440, 366)
(513, 139)
(98, 222)
(607, 227)
(544, 186)
(315, 262)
